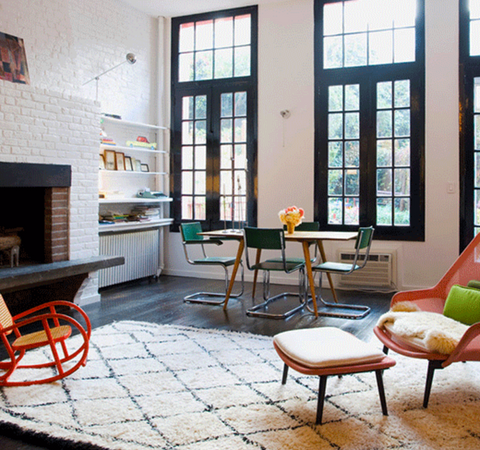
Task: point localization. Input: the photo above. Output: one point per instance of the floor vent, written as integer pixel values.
(379, 271)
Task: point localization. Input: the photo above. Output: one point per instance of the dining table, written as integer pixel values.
(305, 238)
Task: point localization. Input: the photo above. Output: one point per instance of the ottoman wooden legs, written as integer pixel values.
(320, 339)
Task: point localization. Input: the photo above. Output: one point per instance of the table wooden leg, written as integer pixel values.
(311, 282)
(241, 246)
(329, 275)
(255, 274)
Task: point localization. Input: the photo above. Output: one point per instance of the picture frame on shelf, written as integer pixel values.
(128, 164)
(138, 165)
(109, 159)
(101, 163)
(144, 168)
(120, 161)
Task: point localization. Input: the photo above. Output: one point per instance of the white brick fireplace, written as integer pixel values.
(46, 127)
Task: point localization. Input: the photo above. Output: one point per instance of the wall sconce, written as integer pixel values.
(130, 58)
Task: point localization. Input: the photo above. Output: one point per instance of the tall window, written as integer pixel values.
(470, 120)
(369, 136)
(214, 115)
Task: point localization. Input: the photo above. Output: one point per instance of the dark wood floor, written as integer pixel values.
(162, 302)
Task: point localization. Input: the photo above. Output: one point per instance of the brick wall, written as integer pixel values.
(55, 120)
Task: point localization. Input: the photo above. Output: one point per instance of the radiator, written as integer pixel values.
(379, 272)
(141, 253)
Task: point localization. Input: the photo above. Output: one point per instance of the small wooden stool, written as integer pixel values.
(330, 351)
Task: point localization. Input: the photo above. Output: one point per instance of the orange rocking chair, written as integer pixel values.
(464, 270)
(57, 328)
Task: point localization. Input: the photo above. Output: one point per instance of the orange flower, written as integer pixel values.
(292, 214)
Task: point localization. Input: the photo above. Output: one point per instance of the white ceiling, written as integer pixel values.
(174, 8)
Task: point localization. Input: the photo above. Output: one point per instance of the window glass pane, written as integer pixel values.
(384, 211)
(187, 182)
(335, 98)
(402, 152)
(384, 153)
(352, 97)
(351, 211)
(355, 16)
(477, 131)
(225, 156)
(200, 132)
(187, 108)
(200, 106)
(226, 182)
(225, 208)
(200, 210)
(187, 133)
(224, 32)
(476, 215)
(187, 158)
(477, 170)
(402, 211)
(335, 182)
(380, 14)
(240, 130)
(474, 7)
(402, 182)
(187, 208)
(355, 50)
(240, 156)
(224, 63)
(475, 38)
(226, 130)
(402, 93)
(240, 103)
(200, 157)
(242, 29)
(335, 154)
(352, 182)
(186, 39)
(185, 67)
(200, 183)
(335, 126)
(384, 182)
(226, 106)
(240, 182)
(404, 13)
(332, 18)
(380, 50)
(402, 122)
(352, 125)
(352, 154)
(476, 95)
(204, 35)
(335, 211)
(204, 65)
(404, 45)
(384, 124)
(333, 52)
(242, 61)
(384, 95)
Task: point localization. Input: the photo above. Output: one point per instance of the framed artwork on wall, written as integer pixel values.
(101, 162)
(128, 164)
(144, 168)
(109, 159)
(13, 60)
(120, 161)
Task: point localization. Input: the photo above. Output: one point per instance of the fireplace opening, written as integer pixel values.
(34, 225)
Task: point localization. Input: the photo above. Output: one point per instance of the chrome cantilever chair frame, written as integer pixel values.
(363, 241)
(275, 241)
(190, 236)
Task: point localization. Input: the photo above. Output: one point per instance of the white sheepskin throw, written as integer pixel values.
(432, 331)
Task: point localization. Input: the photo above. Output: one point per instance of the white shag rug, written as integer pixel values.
(149, 386)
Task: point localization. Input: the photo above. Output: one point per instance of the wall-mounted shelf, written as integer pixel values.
(134, 200)
(129, 172)
(131, 149)
(120, 122)
(130, 226)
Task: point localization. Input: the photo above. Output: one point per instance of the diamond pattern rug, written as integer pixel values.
(149, 386)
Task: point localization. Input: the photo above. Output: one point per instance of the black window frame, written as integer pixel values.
(368, 76)
(213, 88)
(469, 69)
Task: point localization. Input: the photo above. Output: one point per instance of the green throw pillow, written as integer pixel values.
(463, 304)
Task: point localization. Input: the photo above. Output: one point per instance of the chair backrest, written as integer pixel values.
(6, 319)
(190, 232)
(363, 242)
(264, 239)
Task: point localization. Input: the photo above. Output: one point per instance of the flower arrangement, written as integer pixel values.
(291, 217)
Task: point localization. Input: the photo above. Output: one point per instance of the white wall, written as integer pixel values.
(285, 147)
(69, 42)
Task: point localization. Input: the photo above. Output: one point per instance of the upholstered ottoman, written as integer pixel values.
(330, 351)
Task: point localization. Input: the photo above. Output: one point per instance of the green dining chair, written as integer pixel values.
(272, 239)
(362, 250)
(192, 238)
